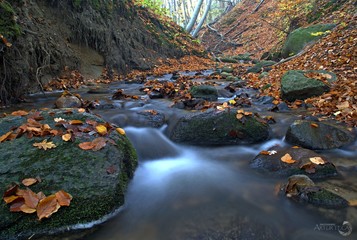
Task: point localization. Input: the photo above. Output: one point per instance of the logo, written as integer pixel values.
(345, 229)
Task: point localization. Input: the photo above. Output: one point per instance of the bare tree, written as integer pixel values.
(203, 18)
(194, 16)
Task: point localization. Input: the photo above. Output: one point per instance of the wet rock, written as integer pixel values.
(226, 75)
(222, 92)
(98, 90)
(294, 85)
(68, 102)
(227, 69)
(151, 118)
(205, 92)
(190, 104)
(298, 38)
(245, 57)
(318, 135)
(261, 66)
(218, 128)
(273, 165)
(302, 189)
(97, 180)
(155, 95)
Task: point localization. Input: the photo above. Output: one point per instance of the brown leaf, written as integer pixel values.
(353, 202)
(31, 199)
(315, 125)
(287, 159)
(86, 145)
(19, 113)
(309, 167)
(47, 206)
(10, 199)
(4, 137)
(111, 169)
(99, 143)
(44, 145)
(264, 152)
(75, 122)
(26, 209)
(16, 205)
(11, 191)
(66, 137)
(63, 198)
(29, 181)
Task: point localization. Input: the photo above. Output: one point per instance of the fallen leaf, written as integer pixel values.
(239, 116)
(111, 169)
(287, 159)
(29, 181)
(66, 137)
(45, 145)
(343, 105)
(47, 206)
(11, 191)
(19, 113)
(63, 198)
(75, 122)
(86, 145)
(26, 209)
(10, 199)
(120, 131)
(59, 119)
(317, 160)
(353, 202)
(264, 152)
(308, 167)
(4, 137)
(99, 143)
(16, 205)
(81, 110)
(296, 147)
(31, 198)
(315, 125)
(101, 129)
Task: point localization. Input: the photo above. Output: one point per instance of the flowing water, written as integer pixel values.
(187, 192)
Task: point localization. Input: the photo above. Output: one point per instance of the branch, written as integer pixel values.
(256, 9)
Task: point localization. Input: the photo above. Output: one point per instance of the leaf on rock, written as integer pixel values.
(86, 145)
(47, 206)
(75, 122)
(31, 198)
(353, 202)
(4, 137)
(101, 129)
(120, 131)
(99, 143)
(26, 209)
(19, 113)
(59, 120)
(29, 181)
(315, 125)
(10, 199)
(264, 152)
(309, 167)
(16, 205)
(66, 137)
(239, 116)
(287, 159)
(11, 191)
(63, 198)
(317, 160)
(44, 145)
(81, 110)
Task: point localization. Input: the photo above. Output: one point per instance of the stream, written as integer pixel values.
(189, 192)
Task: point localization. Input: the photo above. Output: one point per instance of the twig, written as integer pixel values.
(256, 9)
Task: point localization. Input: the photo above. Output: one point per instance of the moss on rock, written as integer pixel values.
(96, 192)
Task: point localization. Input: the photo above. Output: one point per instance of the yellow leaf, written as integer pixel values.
(287, 159)
(44, 145)
(66, 137)
(101, 129)
(75, 122)
(317, 160)
(4, 137)
(11, 198)
(239, 116)
(120, 131)
(232, 102)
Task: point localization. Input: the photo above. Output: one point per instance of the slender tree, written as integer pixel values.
(203, 18)
(194, 16)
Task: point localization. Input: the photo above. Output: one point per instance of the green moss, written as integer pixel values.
(8, 26)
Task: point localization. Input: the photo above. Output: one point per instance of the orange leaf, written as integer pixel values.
(86, 145)
(66, 137)
(47, 206)
(63, 198)
(10, 199)
(317, 160)
(287, 159)
(16, 205)
(120, 131)
(315, 125)
(5, 136)
(353, 202)
(81, 110)
(26, 209)
(19, 113)
(239, 116)
(29, 181)
(101, 129)
(75, 122)
(264, 152)
(31, 199)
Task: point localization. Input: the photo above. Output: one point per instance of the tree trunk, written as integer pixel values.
(194, 16)
(198, 28)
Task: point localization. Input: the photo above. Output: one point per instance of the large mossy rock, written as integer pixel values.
(97, 180)
(294, 85)
(261, 66)
(298, 38)
(218, 128)
(205, 92)
(318, 135)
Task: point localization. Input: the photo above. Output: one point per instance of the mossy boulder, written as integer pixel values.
(206, 92)
(318, 135)
(8, 26)
(270, 163)
(261, 66)
(302, 189)
(295, 85)
(298, 38)
(218, 128)
(97, 180)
